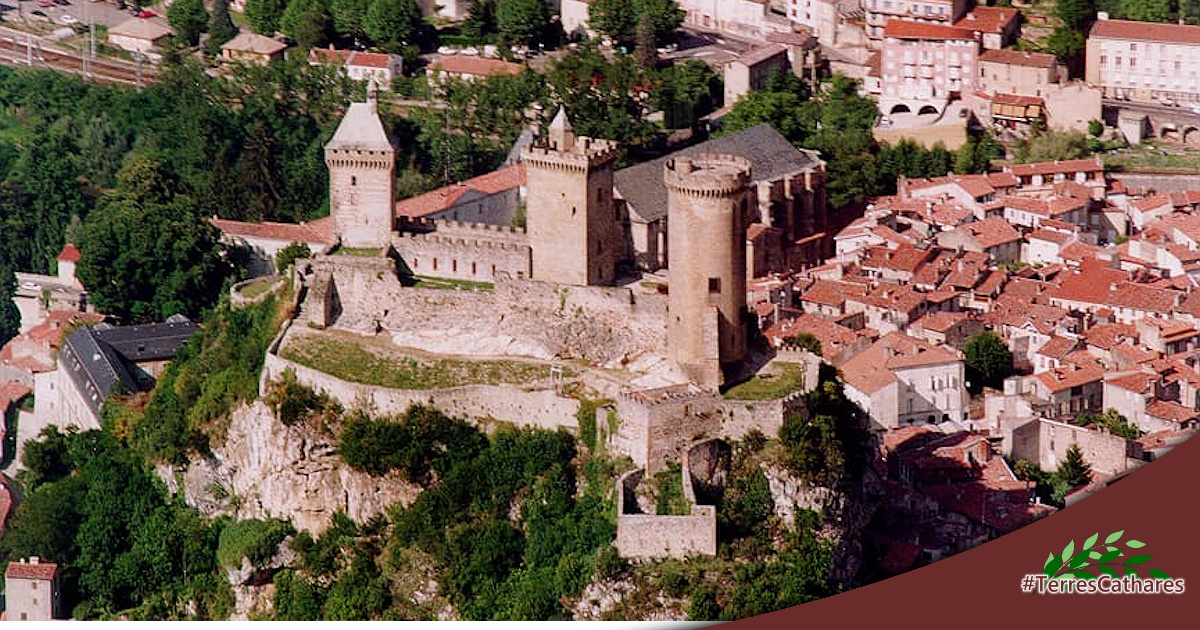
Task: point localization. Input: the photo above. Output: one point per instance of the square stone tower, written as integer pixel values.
(708, 197)
(32, 590)
(362, 172)
(575, 234)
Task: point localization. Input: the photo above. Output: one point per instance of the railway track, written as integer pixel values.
(99, 70)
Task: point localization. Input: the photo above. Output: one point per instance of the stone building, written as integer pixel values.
(32, 591)
(1144, 60)
(788, 200)
(575, 233)
(708, 198)
(924, 66)
(362, 174)
(751, 70)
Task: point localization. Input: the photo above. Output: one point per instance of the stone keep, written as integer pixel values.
(575, 234)
(708, 197)
(362, 164)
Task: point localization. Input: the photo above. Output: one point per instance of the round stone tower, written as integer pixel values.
(707, 200)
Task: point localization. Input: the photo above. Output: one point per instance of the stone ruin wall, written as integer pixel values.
(651, 536)
(657, 426)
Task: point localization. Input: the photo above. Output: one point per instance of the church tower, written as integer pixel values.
(575, 234)
(362, 172)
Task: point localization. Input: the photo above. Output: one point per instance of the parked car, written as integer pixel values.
(67, 19)
(145, 14)
(62, 3)
(45, 4)
(40, 15)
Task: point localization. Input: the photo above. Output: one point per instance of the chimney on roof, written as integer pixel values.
(1102, 15)
(34, 559)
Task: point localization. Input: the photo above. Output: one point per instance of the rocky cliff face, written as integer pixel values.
(268, 470)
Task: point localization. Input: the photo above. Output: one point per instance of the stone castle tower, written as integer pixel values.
(708, 197)
(575, 234)
(362, 171)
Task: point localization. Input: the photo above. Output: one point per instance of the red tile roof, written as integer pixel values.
(1001, 98)
(904, 29)
(941, 321)
(317, 231)
(1017, 58)
(69, 253)
(435, 201)
(349, 58)
(459, 64)
(31, 570)
(1058, 238)
(1057, 347)
(872, 369)
(989, 19)
(990, 232)
(832, 292)
(1167, 410)
(1089, 165)
(755, 56)
(1146, 31)
(1066, 377)
(11, 392)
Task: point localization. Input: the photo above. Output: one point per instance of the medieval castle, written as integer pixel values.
(633, 281)
(588, 226)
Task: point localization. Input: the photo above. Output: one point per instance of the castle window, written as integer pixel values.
(435, 264)
(714, 285)
(493, 271)
(472, 269)
(415, 265)
(353, 180)
(453, 265)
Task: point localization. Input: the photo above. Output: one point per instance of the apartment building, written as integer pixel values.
(820, 16)
(879, 12)
(923, 66)
(1144, 60)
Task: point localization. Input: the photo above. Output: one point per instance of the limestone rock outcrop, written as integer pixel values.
(268, 470)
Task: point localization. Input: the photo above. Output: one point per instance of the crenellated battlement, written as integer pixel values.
(586, 153)
(707, 175)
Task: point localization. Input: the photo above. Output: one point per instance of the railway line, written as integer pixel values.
(17, 53)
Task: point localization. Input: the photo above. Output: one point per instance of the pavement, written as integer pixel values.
(102, 13)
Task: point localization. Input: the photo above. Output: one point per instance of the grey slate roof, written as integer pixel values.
(770, 155)
(95, 357)
(94, 367)
(149, 342)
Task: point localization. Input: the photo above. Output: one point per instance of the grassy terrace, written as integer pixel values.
(427, 282)
(258, 287)
(351, 361)
(1155, 156)
(362, 252)
(788, 379)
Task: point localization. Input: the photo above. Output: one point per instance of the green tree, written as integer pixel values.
(220, 28)
(645, 50)
(264, 15)
(522, 21)
(1075, 14)
(307, 22)
(1054, 145)
(1189, 10)
(189, 19)
(348, 17)
(987, 359)
(289, 254)
(804, 341)
(1073, 469)
(600, 95)
(481, 19)
(619, 19)
(1149, 10)
(10, 317)
(147, 253)
(1066, 45)
(392, 24)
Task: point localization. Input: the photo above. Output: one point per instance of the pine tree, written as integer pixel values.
(1074, 470)
(220, 27)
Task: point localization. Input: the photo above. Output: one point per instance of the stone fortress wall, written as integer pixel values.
(462, 250)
